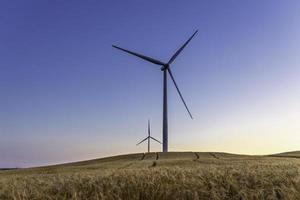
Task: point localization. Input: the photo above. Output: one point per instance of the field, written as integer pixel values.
(174, 175)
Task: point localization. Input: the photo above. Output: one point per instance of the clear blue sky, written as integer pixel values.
(67, 95)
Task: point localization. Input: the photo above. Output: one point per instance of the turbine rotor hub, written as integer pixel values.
(164, 67)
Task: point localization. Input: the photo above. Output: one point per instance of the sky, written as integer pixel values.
(67, 95)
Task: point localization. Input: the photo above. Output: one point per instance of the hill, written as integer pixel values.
(291, 154)
(173, 175)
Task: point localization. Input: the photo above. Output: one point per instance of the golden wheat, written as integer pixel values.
(204, 178)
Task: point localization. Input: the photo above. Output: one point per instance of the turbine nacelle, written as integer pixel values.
(165, 67)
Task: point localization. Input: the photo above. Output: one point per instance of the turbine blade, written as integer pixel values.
(148, 127)
(152, 60)
(155, 140)
(172, 77)
(181, 48)
(142, 141)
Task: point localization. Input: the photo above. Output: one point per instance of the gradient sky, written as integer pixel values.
(67, 95)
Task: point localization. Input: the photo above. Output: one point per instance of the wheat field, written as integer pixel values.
(174, 175)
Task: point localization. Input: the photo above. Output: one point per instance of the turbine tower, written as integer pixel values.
(148, 138)
(165, 68)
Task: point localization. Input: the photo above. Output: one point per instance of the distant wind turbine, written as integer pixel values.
(148, 138)
(166, 69)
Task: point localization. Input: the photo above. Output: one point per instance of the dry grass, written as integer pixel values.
(173, 176)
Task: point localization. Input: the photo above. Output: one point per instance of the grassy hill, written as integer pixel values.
(292, 154)
(173, 175)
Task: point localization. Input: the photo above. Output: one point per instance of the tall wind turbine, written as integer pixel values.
(148, 138)
(165, 67)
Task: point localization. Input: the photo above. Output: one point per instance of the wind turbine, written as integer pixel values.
(148, 138)
(165, 67)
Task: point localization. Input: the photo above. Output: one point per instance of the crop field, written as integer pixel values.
(174, 175)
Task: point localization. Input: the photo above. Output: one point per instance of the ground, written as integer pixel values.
(173, 175)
